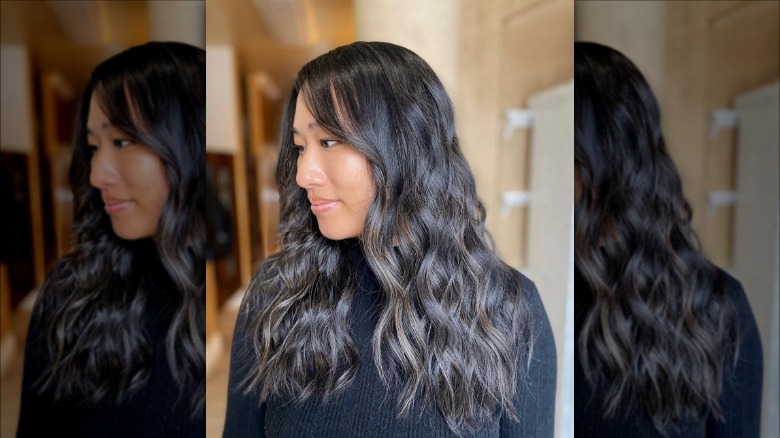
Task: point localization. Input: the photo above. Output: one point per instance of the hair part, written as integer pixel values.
(455, 325)
(656, 321)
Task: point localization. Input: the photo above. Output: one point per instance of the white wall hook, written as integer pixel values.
(720, 198)
(514, 198)
(516, 118)
(722, 118)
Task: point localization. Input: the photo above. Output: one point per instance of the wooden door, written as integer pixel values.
(536, 53)
(715, 50)
(510, 51)
(224, 136)
(264, 108)
(58, 105)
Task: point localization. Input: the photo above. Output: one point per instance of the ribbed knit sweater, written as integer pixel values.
(740, 399)
(365, 409)
(157, 409)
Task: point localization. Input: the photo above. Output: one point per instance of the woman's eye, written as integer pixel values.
(122, 142)
(326, 143)
(92, 148)
(299, 148)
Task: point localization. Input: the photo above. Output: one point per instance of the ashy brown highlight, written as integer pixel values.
(454, 331)
(155, 93)
(656, 321)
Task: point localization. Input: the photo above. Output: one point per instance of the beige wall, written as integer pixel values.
(429, 28)
(635, 28)
(518, 54)
(182, 20)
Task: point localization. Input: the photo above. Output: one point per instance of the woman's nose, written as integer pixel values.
(103, 171)
(309, 172)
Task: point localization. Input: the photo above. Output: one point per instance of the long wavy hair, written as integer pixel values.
(455, 325)
(155, 93)
(656, 321)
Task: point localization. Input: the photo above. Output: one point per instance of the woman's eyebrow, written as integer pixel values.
(103, 127)
(310, 126)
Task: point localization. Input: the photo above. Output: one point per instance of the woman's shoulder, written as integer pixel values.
(530, 294)
(541, 330)
(259, 289)
(535, 397)
(733, 285)
(749, 351)
(740, 301)
(527, 285)
(57, 286)
(262, 289)
(743, 375)
(62, 269)
(256, 296)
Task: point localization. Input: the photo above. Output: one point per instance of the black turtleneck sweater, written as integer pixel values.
(157, 409)
(364, 409)
(740, 399)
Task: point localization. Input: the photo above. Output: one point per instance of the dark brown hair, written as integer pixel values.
(155, 93)
(455, 324)
(656, 320)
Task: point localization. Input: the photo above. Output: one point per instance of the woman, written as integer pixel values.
(667, 343)
(386, 312)
(116, 342)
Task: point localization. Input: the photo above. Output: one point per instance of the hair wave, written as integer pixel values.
(656, 321)
(454, 326)
(155, 93)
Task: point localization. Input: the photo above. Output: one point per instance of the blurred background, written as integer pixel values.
(49, 48)
(507, 66)
(715, 66)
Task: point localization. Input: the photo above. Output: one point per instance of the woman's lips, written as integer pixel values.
(115, 206)
(322, 206)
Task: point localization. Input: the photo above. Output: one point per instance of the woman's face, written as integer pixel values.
(131, 178)
(337, 178)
